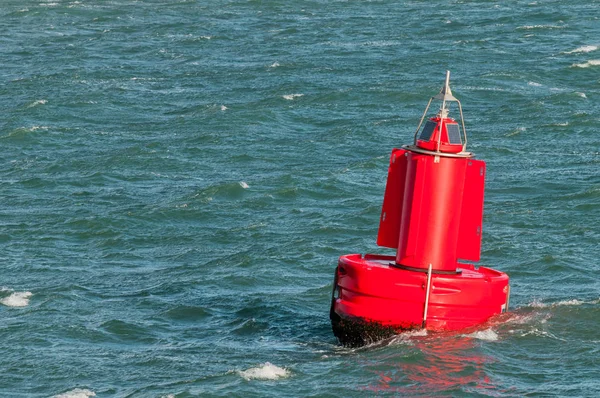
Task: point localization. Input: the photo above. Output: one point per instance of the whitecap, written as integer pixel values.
(592, 62)
(518, 319)
(244, 185)
(527, 27)
(224, 108)
(266, 371)
(406, 337)
(415, 333)
(76, 393)
(516, 131)
(487, 335)
(582, 95)
(569, 302)
(537, 304)
(36, 128)
(583, 49)
(36, 103)
(17, 299)
(534, 84)
(541, 333)
(274, 65)
(290, 97)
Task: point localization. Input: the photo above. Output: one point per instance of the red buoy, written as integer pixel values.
(432, 215)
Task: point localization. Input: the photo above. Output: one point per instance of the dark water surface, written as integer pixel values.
(179, 177)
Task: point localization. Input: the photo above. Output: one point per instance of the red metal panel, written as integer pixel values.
(389, 224)
(408, 240)
(471, 215)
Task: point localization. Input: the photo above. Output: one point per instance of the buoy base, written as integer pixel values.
(357, 332)
(373, 299)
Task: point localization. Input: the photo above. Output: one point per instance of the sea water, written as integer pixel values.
(179, 177)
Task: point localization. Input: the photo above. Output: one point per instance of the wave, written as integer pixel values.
(570, 302)
(187, 313)
(17, 299)
(226, 190)
(529, 27)
(36, 103)
(587, 64)
(537, 332)
(22, 131)
(290, 97)
(582, 49)
(404, 338)
(76, 393)
(266, 371)
(486, 335)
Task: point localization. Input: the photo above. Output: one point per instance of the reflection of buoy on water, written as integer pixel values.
(432, 215)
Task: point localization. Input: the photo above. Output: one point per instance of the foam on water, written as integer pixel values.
(518, 319)
(592, 62)
(406, 337)
(583, 49)
(17, 299)
(36, 103)
(487, 335)
(125, 204)
(572, 302)
(541, 333)
(290, 97)
(569, 302)
(76, 393)
(266, 371)
(21, 131)
(529, 27)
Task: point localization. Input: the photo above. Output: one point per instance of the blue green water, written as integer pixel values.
(178, 179)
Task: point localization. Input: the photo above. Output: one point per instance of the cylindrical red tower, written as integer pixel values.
(431, 210)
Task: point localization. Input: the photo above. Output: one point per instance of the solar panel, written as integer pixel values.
(427, 131)
(453, 134)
